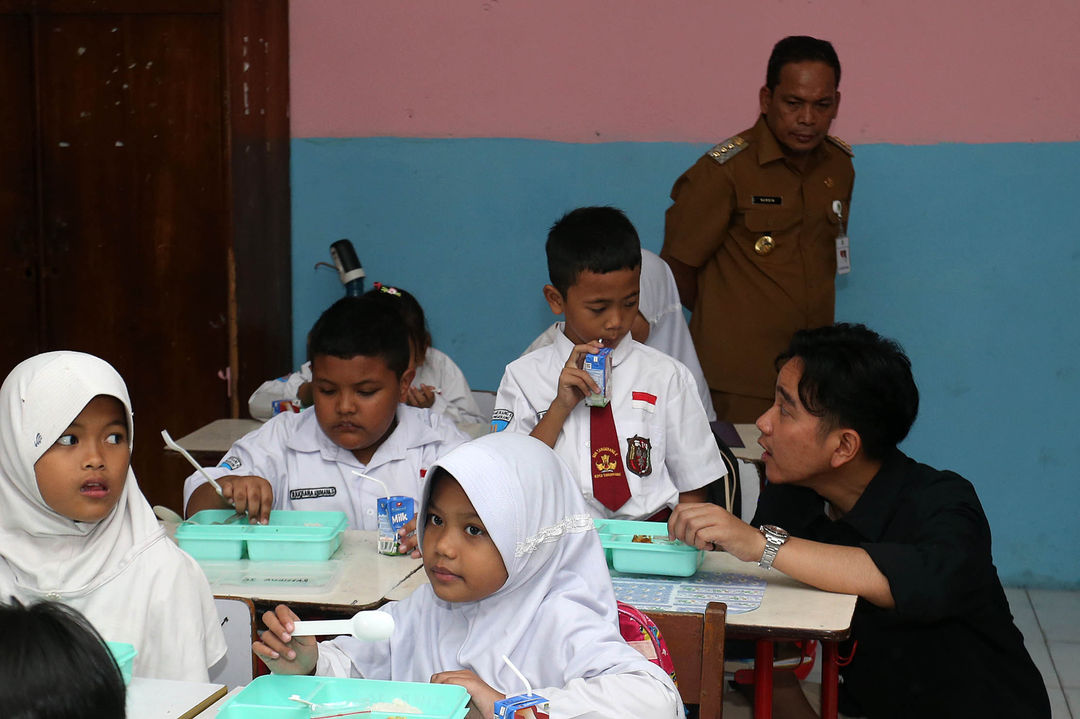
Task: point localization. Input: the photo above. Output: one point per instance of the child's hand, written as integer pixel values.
(483, 696)
(279, 650)
(422, 396)
(408, 540)
(574, 382)
(249, 494)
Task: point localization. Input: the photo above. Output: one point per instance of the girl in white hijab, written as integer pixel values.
(515, 569)
(75, 528)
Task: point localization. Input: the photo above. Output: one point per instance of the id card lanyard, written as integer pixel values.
(843, 251)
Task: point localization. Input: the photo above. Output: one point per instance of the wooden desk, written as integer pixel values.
(209, 443)
(166, 699)
(366, 579)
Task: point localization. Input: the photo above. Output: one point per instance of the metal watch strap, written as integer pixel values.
(774, 539)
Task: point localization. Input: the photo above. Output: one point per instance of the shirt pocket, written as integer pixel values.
(781, 225)
(641, 443)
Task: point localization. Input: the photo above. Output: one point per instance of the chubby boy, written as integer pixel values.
(359, 354)
(651, 446)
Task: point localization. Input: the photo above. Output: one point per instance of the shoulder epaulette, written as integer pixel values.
(729, 148)
(842, 145)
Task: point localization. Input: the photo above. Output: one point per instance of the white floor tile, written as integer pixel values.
(1059, 707)
(1058, 612)
(1073, 697)
(1066, 656)
(1028, 624)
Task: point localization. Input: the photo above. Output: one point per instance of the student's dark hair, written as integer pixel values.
(56, 666)
(411, 312)
(853, 377)
(361, 326)
(593, 239)
(800, 48)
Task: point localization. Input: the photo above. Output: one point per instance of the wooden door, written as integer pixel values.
(125, 242)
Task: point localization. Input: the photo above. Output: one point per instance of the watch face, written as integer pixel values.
(774, 530)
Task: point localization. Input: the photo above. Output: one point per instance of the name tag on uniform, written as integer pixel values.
(843, 255)
(766, 200)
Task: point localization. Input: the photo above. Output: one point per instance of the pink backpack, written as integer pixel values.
(642, 634)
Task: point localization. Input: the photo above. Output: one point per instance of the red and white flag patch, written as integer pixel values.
(643, 400)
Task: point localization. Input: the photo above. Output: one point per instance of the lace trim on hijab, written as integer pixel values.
(573, 524)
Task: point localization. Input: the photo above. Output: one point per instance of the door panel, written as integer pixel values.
(133, 223)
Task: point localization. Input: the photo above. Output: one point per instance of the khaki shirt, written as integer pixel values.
(749, 304)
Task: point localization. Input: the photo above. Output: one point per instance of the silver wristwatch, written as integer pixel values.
(774, 539)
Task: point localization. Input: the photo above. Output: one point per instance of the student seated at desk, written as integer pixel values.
(651, 446)
(359, 353)
(56, 665)
(516, 569)
(75, 528)
(932, 631)
(439, 383)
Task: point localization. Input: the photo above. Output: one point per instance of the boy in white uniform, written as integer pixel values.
(659, 323)
(359, 352)
(660, 450)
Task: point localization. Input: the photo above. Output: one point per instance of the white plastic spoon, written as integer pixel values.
(371, 626)
(171, 444)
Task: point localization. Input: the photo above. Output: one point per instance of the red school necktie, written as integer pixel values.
(608, 478)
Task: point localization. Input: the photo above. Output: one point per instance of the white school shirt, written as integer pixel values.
(307, 471)
(454, 398)
(654, 403)
(658, 303)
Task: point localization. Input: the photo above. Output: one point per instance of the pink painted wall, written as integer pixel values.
(918, 71)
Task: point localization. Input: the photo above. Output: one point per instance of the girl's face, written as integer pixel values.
(460, 559)
(82, 475)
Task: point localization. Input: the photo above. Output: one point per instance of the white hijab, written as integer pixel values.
(555, 617)
(122, 572)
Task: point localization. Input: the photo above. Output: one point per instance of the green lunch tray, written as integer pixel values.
(267, 697)
(625, 555)
(124, 654)
(290, 536)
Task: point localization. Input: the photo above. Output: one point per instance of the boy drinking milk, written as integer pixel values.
(650, 446)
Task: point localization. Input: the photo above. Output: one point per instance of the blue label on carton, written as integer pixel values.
(598, 365)
(523, 706)
(394, 513)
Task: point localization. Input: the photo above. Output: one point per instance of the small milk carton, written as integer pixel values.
(394, 513)
(598, 365)
(523, 706)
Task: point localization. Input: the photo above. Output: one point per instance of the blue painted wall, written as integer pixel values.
(966, 254)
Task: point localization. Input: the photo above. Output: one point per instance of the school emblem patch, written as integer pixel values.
(603, 459)
(639, 455)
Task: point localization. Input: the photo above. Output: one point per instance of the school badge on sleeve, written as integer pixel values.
(639, 455)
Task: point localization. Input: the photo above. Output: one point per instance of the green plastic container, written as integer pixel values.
(125, 656)
(625, 555)
(267, 697)
(290, 536)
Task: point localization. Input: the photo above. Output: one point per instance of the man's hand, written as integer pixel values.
(707, 526)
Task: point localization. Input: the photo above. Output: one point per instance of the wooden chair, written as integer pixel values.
(696, 645)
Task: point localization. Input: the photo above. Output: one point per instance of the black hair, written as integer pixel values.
(402, 302)
(361, 326)
(57, 666)
(853, 377)
(593, 239)
(800, 48)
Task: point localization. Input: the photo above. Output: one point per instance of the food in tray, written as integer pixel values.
(653, 539)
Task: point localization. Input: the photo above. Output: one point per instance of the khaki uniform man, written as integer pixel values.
(752, 236)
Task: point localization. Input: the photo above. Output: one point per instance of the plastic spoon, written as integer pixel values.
(171, 444)
(372, 626)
